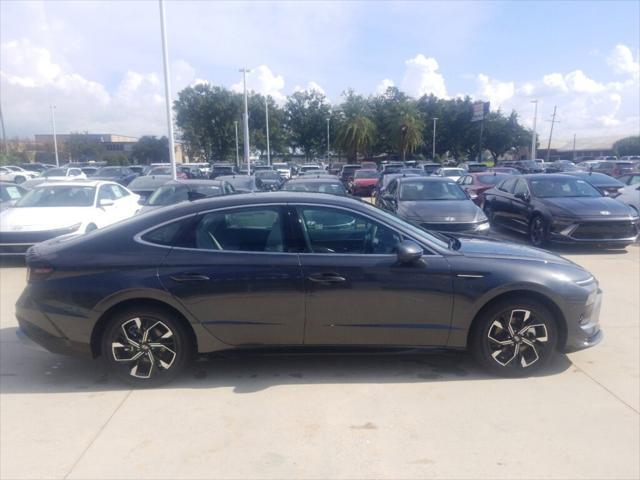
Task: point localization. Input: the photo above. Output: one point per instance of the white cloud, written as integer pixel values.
(311, 86)
(384, 85)
(495, 91)
(622, 62)
(262, 80)
(555, 81)
(578, 82)
(421, 77)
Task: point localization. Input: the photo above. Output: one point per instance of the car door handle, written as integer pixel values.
(189, 277)
(326, 278)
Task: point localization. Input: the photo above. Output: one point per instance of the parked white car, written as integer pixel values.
(60, 208)
(452, 173)
(10, 173)
(630, 195)
(64, 173)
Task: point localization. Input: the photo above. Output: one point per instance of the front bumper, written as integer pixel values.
(476, 228)
(606, 232)
(583, 329)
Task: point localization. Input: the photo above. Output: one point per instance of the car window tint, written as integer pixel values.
(247, 230)
(166, 234)
(106, 193)
(13, 193)
(521, 187)
(507, 185)
(337, 231)
(116, 192)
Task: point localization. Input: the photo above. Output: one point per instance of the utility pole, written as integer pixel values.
(480, 141)
(266, 112)
(237, 148)
(246, 120)
(553, 121)
(167, 91)
(328, 140)
(574, 147)
(433, 154)
(53, 127)
(5, 147)
(534, 137)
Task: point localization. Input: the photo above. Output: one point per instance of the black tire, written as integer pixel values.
(19, 179)
(538, 231)
(534, 337)
(124, 339)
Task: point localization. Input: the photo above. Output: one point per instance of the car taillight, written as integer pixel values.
(37, 274)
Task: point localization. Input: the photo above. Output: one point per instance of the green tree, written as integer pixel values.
(356, 132)
(205, 117)
(306, 119)
(407, 130)
(278, 138)
(149, 149)
(627, 146)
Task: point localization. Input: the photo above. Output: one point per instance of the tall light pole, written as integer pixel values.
(574, 147)
(534, 137)
(246, 120)
(167, 90)
(266, 112)
(328, 139)
(237, 148)
(5, 147)
(553, 121)
(55, 139)
(433, 154)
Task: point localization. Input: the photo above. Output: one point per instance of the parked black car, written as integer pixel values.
(347, 172)
(268, 180)
(524, 166)
(430, 168)
(144, 186)
(219, 169)
(122, 175)
(176, 191)
(607, 185)
(435, 204)
(560, 208)
(241, 183)
(298, 270)
(561, 166)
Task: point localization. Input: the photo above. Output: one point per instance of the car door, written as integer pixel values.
(234, 270)
(500, 204)
(358, 293)
(521, 205)
(106, 213)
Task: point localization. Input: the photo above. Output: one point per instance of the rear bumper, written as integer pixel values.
(14, 249)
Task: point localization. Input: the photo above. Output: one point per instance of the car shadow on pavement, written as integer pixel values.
(28, 370)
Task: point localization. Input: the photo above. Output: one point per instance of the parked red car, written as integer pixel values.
(475, 184)
(363, 183)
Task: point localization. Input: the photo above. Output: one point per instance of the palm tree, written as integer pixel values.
(356, 135)
(408, 132)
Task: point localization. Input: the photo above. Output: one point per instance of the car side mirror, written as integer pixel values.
(106, 202)
(387, 196)
(522, 196)
(408, 252)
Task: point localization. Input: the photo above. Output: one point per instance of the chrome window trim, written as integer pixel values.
(138, 237)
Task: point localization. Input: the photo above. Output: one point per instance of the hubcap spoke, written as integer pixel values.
(516, 338)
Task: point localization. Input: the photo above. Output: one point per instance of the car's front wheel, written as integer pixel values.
(146, 346)
(539, 231)
(514, 338)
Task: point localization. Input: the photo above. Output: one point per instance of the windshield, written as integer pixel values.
(562, 187)
(109, 172)
(160, 171)
(454, 172)
(418, 191)
(59, 196)
(55, 172)
(490, 179)
(268, 174)
(242, 182)
(477, 167)
(366, 174)
(334, 188)
(306, 168)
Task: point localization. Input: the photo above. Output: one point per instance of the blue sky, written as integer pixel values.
(100, 62)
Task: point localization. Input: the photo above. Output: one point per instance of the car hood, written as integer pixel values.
(35, 219)
(582, 207)
(440, 211)
(483, 247)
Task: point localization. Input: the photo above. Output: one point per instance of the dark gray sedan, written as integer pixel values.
(434, 203)
(289, 270)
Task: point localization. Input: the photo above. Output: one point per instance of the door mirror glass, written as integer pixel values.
(522, 196)
(409, 252)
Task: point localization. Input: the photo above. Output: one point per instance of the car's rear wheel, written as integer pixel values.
(538, 231)
(514, 338)
(146, 346)
(19, 179)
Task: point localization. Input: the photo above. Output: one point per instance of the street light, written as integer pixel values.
(246, 120)
(53, 126)
(534, 137)
(167, 90)
(266, 112)
(433, 154)
(237, 148)
(328, 140)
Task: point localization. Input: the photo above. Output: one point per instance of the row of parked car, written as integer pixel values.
(575, 206)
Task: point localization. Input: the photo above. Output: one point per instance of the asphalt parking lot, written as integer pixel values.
(417, 416)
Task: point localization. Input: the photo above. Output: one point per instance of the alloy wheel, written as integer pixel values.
(517, 339)
(144, 346)
(537, 231)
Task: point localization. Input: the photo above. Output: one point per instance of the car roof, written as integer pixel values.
(420, 178)
(311, 179)
(187, 182)
(79, 182)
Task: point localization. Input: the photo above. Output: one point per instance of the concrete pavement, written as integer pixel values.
(418, 416)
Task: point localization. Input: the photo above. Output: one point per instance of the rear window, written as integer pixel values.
(490, 179)
(166, 234)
